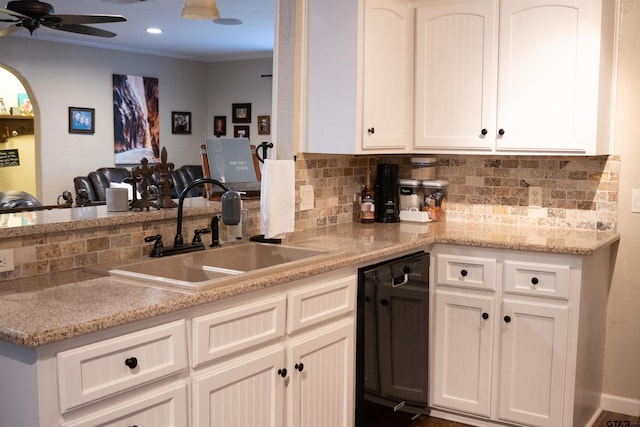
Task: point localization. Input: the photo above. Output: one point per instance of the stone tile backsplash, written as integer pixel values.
(577, 192)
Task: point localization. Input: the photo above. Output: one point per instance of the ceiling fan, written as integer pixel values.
(32, 14)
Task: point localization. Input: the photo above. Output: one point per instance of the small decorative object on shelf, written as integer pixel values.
(3, 108)
(164, 192)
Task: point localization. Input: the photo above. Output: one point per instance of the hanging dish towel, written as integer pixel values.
(277, 198)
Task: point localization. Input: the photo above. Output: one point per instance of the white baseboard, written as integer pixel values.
(621, 405)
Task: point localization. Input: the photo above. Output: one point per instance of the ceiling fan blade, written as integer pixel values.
(84, 19)
(8, 30)
(82, 29)
(12, 13)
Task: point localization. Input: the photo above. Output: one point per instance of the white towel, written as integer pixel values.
(277, 198)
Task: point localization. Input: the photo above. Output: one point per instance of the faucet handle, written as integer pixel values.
(196, 236)
(157, 246)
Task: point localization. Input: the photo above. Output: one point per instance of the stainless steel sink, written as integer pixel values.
(196, 270)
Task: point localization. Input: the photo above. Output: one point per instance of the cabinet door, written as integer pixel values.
(164, 408)
(456, 57)
(248, 392)
(532, 363)
(322, 366)
(387, 100)
(462, 352)
(545, 88)
(403, 331)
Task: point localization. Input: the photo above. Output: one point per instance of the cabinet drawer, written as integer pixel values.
(314, 305)
(107, 367)
(545, 280)
(229, 331)
(466, 272)
(165, 408)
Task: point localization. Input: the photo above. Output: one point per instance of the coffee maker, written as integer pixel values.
(386, 193)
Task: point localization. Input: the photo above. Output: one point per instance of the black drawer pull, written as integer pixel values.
(464, 273)
(534, 281)
(485, 316)
(299, 366)
(131, 362)
(507, 319)
(282, 372)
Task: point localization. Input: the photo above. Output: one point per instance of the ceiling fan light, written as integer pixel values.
(200, 9)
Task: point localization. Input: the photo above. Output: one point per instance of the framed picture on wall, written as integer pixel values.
(82, 120)
(241, 113)
(180, 122)
(264, 125)
(219, 125)
(241, 131)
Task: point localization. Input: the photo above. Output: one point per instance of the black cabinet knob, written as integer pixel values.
(464, 273)
(131, 362)
(484, 131)
(371, 131)
(384, 302)
(534, 281)
(282, 372)
(501, 132)
(485, 316)
(507, 319)
(299, 366)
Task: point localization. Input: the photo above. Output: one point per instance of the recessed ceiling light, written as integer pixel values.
(153, 30)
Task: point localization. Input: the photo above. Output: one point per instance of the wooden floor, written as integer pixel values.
(377, 416)
(606, 419)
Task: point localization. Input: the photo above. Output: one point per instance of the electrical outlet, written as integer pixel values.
(6, 260)
(635, 201)
(306, 197)
(535, 197)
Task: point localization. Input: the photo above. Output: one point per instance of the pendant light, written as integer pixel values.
(200, 9)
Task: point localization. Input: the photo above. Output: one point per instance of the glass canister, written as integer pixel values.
(423, 168)
(435, 199)
(409, 191)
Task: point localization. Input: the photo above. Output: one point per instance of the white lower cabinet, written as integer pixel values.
(301, 377)
(462, 377)
(247, 392)
(517, 337)
(283, 356)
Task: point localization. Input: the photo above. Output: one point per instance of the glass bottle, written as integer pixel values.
(367, 202)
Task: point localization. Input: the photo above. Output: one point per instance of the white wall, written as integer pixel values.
(622, 356)
(240, 82)
(58, 76)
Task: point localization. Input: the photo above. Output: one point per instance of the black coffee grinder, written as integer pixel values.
(386, 193)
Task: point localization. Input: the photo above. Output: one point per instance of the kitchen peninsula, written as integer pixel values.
(53, 325)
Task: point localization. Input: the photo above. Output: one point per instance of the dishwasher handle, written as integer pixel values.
(402, 280)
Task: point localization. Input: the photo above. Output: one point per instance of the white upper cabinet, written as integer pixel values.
(456, 60)
(514, 77)
(357, 76)
(387, 101)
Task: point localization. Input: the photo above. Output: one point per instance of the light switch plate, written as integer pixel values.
(635, 201)
(6, 260)
(306, 197)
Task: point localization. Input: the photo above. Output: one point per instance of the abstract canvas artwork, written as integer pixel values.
(136, 122)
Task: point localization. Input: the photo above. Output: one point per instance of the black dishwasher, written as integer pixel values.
(392, 341)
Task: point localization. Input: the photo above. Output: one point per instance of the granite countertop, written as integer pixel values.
(45, 309)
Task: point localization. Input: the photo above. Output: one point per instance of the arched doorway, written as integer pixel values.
(18, 164)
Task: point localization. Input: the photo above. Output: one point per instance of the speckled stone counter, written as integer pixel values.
(46, 309)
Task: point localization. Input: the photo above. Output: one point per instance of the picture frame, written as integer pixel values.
(180, 122)
(219, 125)
(82, 120)
(241, 113)
(264, 125)
(241, 131)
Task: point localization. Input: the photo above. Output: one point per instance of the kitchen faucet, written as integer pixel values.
(230, 216)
